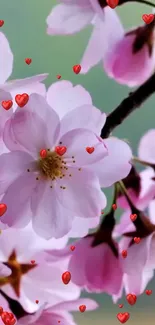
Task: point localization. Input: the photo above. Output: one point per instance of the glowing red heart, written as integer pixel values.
(1, 23)
(131, 299)
(72, 248)
(114, 206)
(120, 305)
(148, 292)
(66, 277)
(60, 150)
(137, 240)
(77, 68)
(82, 308)
(43, 153)
(133, 217)
(3, 209)
(112, 3)
(58, 76)
(33, 261)
(37, 301)
(22, 100)
(28, 61)
(90, 149)
(148, 18)
(123, 317)
(124, 253)
(8, 318)
(7, 104)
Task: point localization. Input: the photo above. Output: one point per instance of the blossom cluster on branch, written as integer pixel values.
(57, 155)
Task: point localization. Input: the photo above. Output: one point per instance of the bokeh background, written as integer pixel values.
(25, 28)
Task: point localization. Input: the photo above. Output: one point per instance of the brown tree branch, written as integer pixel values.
(128, 105)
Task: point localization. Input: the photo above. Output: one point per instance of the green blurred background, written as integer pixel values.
(25, 28)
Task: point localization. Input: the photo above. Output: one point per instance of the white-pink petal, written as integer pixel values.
(146, 150)
(6, 59)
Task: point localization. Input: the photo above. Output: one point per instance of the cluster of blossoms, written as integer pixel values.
(54, 166)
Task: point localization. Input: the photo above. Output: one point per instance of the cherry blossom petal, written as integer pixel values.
(6, 59)
(63, 97)
(116, 165)
(12, 165)
(76, 142)
(87, 116)
(68, 19)
(146, 150)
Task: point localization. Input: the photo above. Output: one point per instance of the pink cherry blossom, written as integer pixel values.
(9, 89)
(43, 282)
(58, 313)
(28, 132)
(70, 17)
(136, 48)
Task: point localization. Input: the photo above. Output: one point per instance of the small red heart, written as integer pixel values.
(114, 206)
(82, 308)
(72, 248)
(1, 23)
(124, 253)
(60, 150)
(137, 240)
(77, 68)
(43, 153)
(112, 3)
(22, 100)
(8, 318)
(131, 299)
(148, 18)
(58, 321)
(90, 149)
(120, 305)
(133, 217)
(7, 104)
(3, 209)
(66, 277)
(37, 301)
(28, 61)
(58, 76)
(33, 261)
(123, 317)
(148, 292)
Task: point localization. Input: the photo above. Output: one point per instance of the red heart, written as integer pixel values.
(137, 240)
(77, 68)
(131, 299)
(58, 76)
(22, 100)
(3, 209)
(82, 308)
(72, 248)
(33, 261)
(43, 153)
(90, 149)
(148, 18)
(124, 253)
(133, 217)
(1, 23)
(112, 3)
(123, 317)
(28, 61)
(114, 206)
(120, 305)
(7, 104)
(66, 277)
(60, 150)
(148, 292)
(8, 318)
(37, 301)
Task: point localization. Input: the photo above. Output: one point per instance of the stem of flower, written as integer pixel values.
(143, 162)
(128, 105)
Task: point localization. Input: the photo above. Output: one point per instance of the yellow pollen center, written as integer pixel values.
(51, 166)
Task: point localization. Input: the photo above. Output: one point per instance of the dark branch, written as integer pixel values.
(128, 105)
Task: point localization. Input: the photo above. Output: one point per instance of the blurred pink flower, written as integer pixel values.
(53, 196)
(37, 279)
(131, 59)
(9, 89)
(58, 313)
